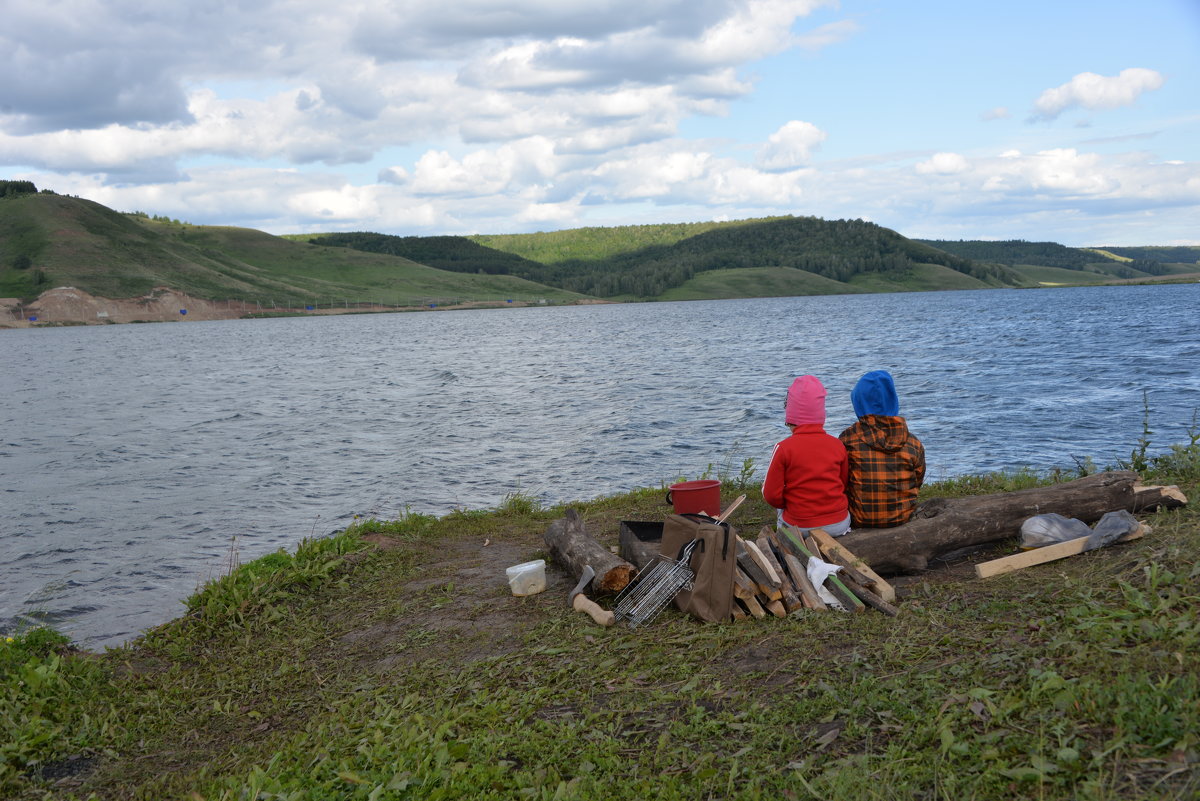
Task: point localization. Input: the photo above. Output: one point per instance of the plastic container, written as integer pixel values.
(692, 497)
(527, 578)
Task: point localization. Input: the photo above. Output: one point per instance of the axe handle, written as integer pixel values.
(581, 603)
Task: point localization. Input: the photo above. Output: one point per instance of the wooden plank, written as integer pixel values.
(833, 583)
(840, 554)
(743, 585)
(777, 609)
(808, 593)
(756, 573)
(761, 560)
(869, 598)
(753, 606)
(1047, 553)
(791, 599)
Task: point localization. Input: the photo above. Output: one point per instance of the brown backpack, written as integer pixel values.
(713, 561)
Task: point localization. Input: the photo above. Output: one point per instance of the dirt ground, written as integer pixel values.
(70, 306)
(462, 592)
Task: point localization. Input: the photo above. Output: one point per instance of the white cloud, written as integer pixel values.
(997, 113)
(943, 164)
(1097, 92)
(791, 146)
(827, 35)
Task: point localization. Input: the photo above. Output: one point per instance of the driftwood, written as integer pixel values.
(944, 525)
(573, 548)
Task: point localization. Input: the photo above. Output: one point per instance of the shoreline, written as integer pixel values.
(391, 660)
(68, 306)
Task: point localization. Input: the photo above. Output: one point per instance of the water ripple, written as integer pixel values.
(137, 458)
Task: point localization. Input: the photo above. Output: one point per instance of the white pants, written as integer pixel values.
(832, 529)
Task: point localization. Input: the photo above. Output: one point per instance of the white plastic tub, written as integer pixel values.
(527, 578)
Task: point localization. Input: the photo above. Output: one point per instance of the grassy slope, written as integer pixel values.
(337, 270)
(759, 282)
(408, 671)
(922, 278)
(1057, 276)
(551, 247)
(83, 244)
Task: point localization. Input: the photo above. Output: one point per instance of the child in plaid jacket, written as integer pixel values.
(887, 463)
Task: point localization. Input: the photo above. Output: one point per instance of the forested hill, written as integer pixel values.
(1047, 254)
(834, 249)
(455, 253)
(1178, 254)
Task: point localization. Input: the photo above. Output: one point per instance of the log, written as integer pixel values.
(571, 546)
(944, 525)
(1151, 499)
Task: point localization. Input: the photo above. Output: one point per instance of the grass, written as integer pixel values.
(589, 244)
(390, 661)
(756, 282)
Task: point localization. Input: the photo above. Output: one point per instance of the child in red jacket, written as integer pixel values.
(806, 480)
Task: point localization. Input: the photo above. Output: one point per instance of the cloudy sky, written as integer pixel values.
(1076, 121)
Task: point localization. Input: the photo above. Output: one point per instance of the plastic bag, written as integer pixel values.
(1051, 528)
(1111, 528)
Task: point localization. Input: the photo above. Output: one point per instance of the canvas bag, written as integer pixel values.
(713, 561)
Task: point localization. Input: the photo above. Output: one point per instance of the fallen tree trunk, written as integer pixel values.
(942, 525)
(573, 548)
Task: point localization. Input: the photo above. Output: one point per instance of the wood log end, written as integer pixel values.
(614, 580)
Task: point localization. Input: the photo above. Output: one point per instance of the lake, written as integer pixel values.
(131, 457)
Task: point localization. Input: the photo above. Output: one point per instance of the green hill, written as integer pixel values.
(593, 244)
(1180, 258)
(51, 240)
(838, 250)
(757, 282)
(1014, 252)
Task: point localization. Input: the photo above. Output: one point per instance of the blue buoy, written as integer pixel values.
(308, 308)
(33, 319)
(183, 311)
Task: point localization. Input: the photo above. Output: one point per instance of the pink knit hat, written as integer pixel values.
(805, 402)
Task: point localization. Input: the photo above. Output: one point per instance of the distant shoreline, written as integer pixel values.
(68, 306)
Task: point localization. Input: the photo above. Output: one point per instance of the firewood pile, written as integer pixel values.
(772, 577)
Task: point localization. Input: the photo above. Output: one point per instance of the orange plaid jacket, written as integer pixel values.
(887, 467)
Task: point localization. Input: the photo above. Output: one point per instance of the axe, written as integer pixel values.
(581, 603)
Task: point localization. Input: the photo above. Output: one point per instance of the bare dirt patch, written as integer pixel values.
(458, 606)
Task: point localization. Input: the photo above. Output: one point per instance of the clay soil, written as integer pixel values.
(71, 306)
